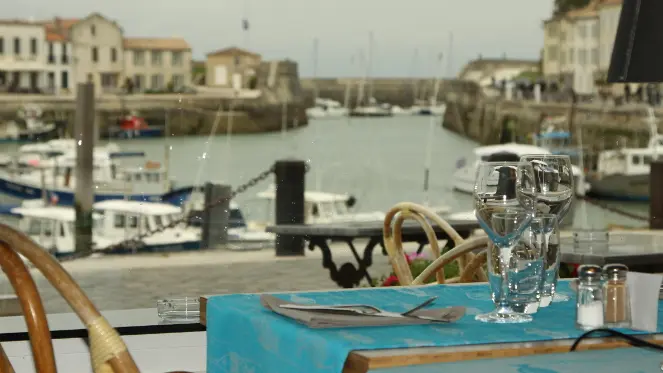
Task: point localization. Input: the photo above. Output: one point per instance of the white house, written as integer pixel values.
(155, 63)
(22, 57)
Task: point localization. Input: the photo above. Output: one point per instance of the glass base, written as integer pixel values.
(503, 316)
(526, 308)
(560, 298)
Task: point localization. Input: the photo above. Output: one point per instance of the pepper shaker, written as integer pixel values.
(616, 302)
(589, 302)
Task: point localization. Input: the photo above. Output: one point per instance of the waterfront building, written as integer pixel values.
(158, 64)
(58, 55)
(231, 68)
(578, 45)
(22, 57)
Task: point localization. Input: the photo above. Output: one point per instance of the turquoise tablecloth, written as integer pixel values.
(242, 336)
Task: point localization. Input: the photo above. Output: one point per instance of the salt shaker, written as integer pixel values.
(589, 302)
(616, 302)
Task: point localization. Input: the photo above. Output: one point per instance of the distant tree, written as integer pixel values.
(563, 6)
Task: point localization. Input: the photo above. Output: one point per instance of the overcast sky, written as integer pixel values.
(287, 28)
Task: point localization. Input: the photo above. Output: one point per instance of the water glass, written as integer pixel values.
(526, 270)
(552, 255)
(185, 309)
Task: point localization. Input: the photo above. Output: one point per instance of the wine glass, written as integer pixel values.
(504, 207)
(553, 176)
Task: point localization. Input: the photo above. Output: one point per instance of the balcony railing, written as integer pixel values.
(51, 59)
(65, 59)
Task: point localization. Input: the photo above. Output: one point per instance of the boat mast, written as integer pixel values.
(362, 81)
(413, 73)
(431, 131)
(316, 93)
(369, 65)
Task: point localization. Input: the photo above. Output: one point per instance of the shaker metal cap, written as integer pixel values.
(615, 270)
(590, 271)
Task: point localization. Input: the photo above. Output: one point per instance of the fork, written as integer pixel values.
(358, 308)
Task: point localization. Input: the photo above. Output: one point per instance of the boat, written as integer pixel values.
(372, 109)
(465, 174)
(114, 222)
(240, 235)
(400, 111)
(29, 126)
(133, 126)
(623, 174)
(319, 208)
(429, 108)
(53, 178)
(326, 108)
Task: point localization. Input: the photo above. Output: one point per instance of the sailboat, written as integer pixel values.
(369, 107)
(322, 107)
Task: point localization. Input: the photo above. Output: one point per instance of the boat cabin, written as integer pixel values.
(319, 207)
(630, 161)
(52, 227)
(126, 219)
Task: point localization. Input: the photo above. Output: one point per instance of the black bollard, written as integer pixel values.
(215, 219)
(656, 195)
(290, 186)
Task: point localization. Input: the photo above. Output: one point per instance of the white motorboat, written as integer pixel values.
(465, 174)
(326, 108)
(28, 126)
(320, 208)
(115, 221)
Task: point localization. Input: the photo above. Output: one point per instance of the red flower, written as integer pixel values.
(391, 281)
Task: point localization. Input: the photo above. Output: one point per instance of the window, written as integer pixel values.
(582, 31)
(139, 82)
(119, 221)
(177, 58)
(562, 58)
(571, 55)
(582, 57)
(595, 56)
(34, 227)
(17, 46)
(157, 221)
(647, 159)
(33, 46)
(51, 54)
(2, 45)
(635, 159)
(595, 30)
(139, 58)
(93, 30)
(64, 80)
(48, 228)
(133, 221)
(63, 233)
(552, 53)
(157, 81)
(65, 58)
(178, 81)
(95, 54)
(113, 55)
(156, 58)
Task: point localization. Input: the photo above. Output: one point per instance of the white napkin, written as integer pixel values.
(644, 291)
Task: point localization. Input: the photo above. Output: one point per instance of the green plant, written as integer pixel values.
(417, 264)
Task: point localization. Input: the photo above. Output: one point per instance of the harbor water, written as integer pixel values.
(380, 161)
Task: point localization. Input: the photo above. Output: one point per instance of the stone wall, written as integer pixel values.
(395, 91)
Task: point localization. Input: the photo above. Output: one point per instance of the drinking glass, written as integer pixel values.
(526, 269)
(552, 255)
(555, 190)
(504, 207)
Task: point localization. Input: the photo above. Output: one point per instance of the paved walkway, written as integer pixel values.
(124, 282)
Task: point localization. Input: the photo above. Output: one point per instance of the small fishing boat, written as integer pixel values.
(373, 109)
(53, 178)
(133, 126)
(29, 126)
(327, 109)
(52, 227)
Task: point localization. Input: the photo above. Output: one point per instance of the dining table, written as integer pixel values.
(244, 335)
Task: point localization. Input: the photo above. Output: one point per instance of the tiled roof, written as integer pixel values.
(57, 28)
(18, 22)
(233, 50)
(156, 43)
(591, 10)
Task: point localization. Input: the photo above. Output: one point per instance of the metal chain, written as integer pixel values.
(136, 241)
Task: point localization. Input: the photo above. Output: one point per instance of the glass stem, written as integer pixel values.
(505, 258)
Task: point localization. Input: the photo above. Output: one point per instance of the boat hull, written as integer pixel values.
(32, 136)
(65, 197)
(620, 187)
(157, 248)
(121, 133)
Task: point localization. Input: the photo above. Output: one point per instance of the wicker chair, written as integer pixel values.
(469, 263)
(107, 349)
